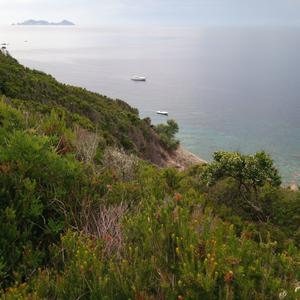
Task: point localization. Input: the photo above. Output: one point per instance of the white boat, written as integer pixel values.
(138, 78)
(165, 113)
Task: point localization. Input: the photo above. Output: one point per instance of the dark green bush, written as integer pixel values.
(167, 134)
(37, 190)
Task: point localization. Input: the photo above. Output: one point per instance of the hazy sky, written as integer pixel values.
(169, 12)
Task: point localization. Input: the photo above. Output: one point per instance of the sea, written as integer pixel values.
(229, 88)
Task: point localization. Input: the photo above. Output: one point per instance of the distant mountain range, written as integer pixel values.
(45, 23)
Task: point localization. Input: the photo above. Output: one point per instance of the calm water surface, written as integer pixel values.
(228, 88)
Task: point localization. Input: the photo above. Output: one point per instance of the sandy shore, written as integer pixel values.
(294, 187)
(183, 158)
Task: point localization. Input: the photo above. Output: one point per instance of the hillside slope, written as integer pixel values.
(81, 218)
(116, 122)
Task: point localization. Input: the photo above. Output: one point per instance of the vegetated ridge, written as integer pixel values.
(116, 123)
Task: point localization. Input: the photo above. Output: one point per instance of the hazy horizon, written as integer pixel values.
(146, 12)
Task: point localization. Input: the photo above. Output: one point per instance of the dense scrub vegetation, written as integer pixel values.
(81, 218)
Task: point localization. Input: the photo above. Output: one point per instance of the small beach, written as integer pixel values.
(183, 158)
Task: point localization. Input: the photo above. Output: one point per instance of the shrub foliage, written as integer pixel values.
(167, 134)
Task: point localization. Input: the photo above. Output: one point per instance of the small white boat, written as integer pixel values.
(164, 113)
(138, 78)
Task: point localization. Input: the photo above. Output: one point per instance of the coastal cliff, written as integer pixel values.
(115, 121)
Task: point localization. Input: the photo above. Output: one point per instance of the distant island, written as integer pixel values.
(46, 23)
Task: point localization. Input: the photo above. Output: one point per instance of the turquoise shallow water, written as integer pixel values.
(228, 88)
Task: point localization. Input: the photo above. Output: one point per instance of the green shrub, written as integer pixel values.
(10, 118)
(167, 134)
(37, 189)
(250, 172)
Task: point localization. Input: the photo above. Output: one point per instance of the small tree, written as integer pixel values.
(251, 172)
(167, 134)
